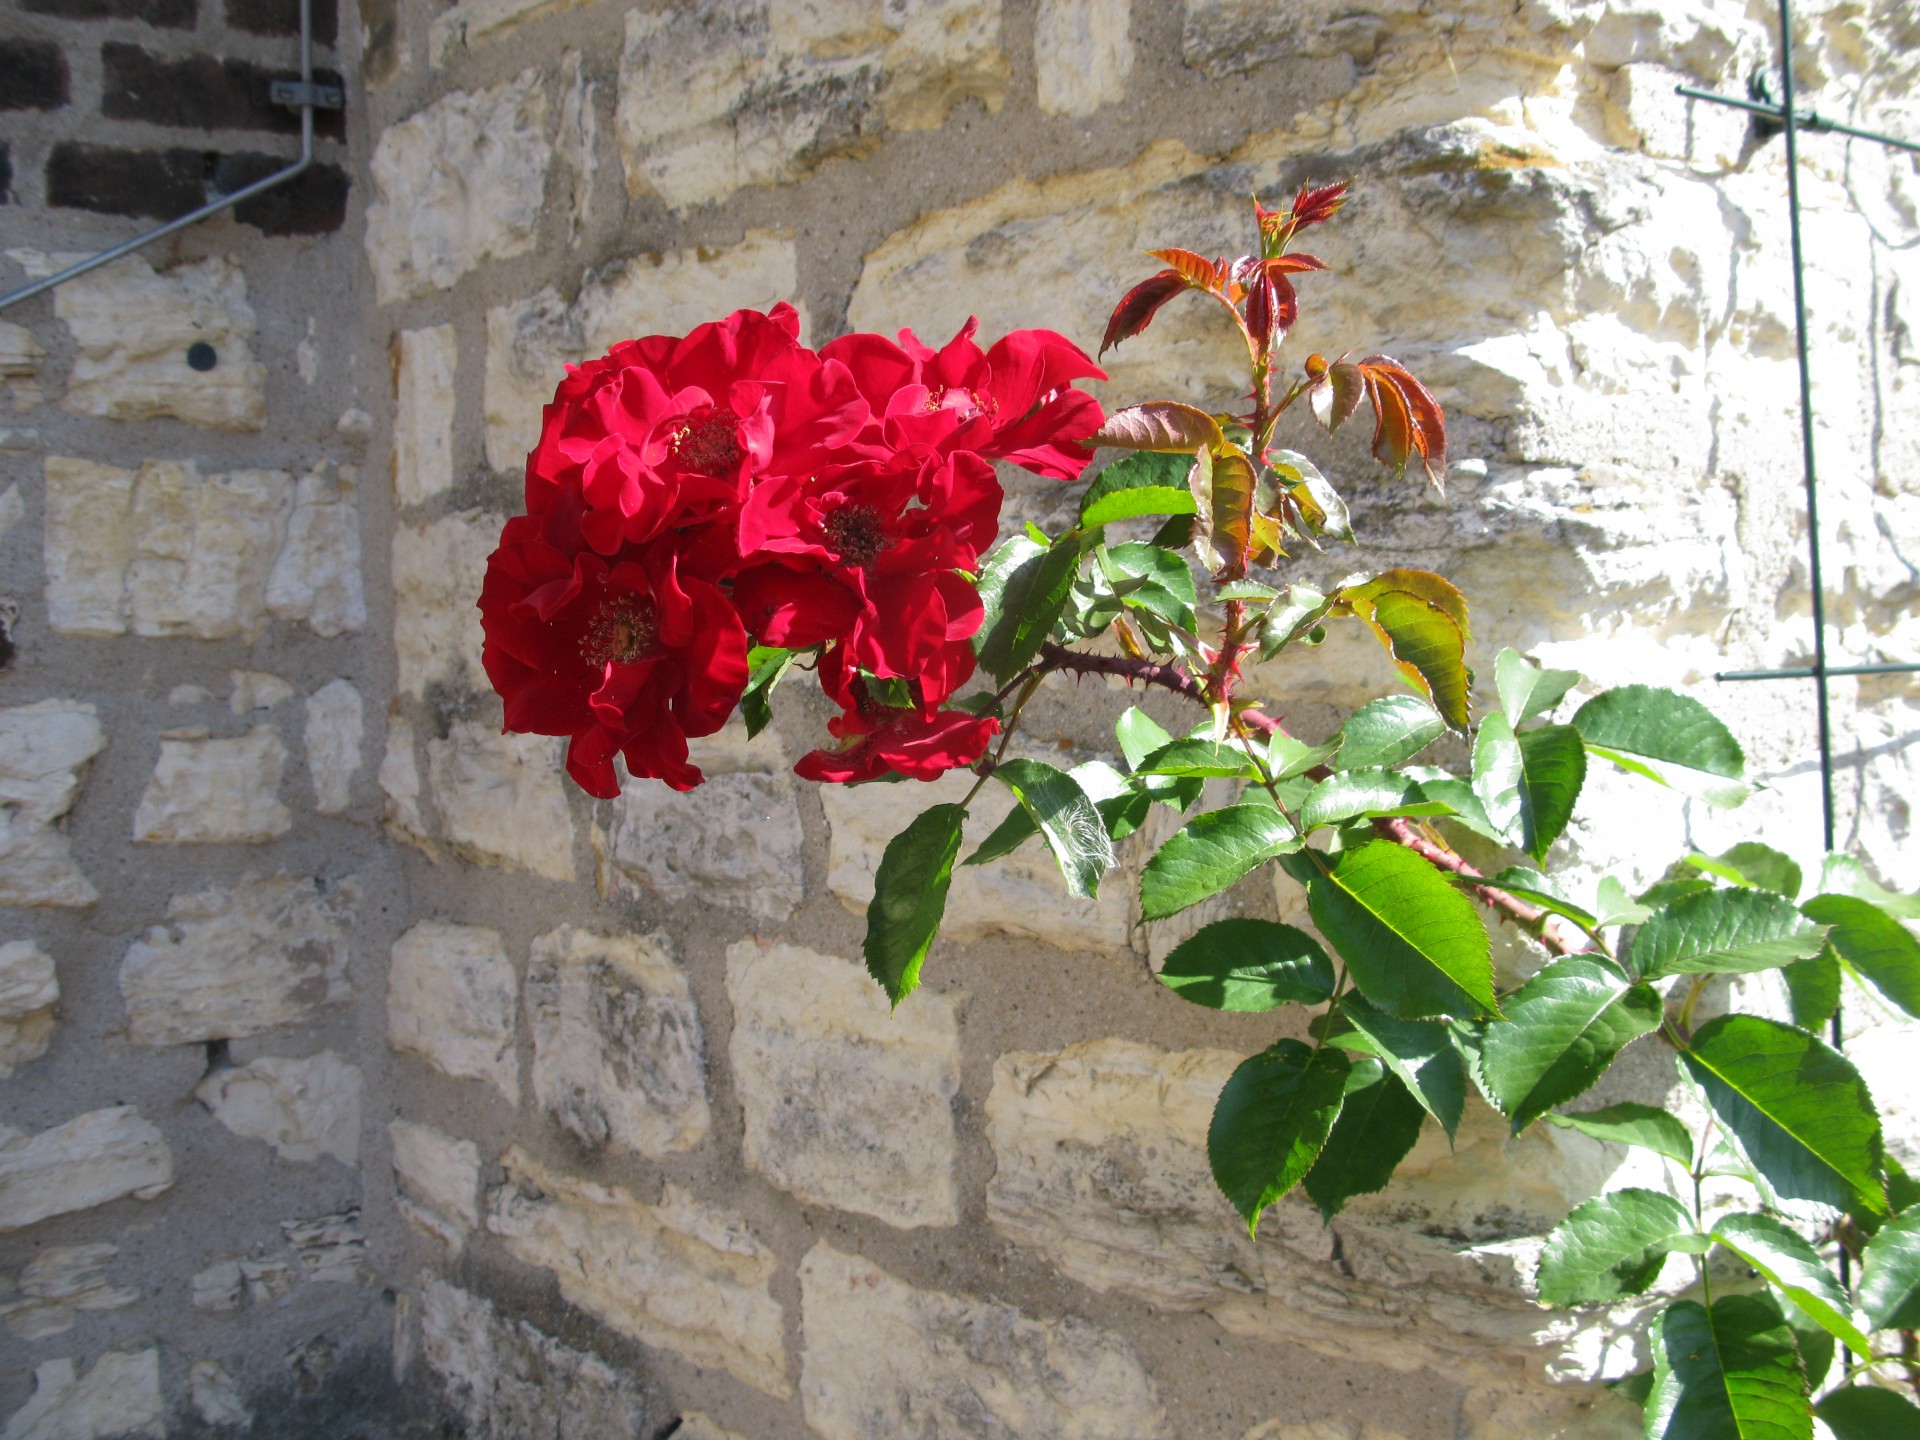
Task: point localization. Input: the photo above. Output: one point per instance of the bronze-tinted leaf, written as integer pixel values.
(1407, 419)
(1159, 425)
(1194, 268)
(1136, 308)
(1272, 307)
(1422, 620)
(1314, 203)
(1234, 484)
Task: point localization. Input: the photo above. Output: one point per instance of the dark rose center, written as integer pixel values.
(973, 403)
(709, 442)
(856, 532)
(622, 630)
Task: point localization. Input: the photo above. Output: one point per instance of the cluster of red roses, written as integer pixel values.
(693, 495)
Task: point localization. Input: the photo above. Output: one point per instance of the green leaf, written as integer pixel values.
(1664, 892)
(1844, 875)
(1627, 1123)
(1499, 779)
(1146, 483)
(1890, 1276)
(1756, 866)
(1865, 1412)
(1729, 1373)
(1419, 1052)
(1669, 738)
(1354, 793)
(1209, 853)
(1633, 1387)
(1556, 769)
(1066, 816)
(1457, 795)
(1288, 757)
(1875, 944)
(1422, 620)
(1612, 1247)
(1023, 589)
(1413, 944)
(765, 665)
(1248, 966)
(910, 896)
(1122, 810)
(1724, 932)
(1815, 1344)
(1271, 1121)
(1247, 590)
(1525, 689)
(1379, 1123)
(1794, 1268)
(1533, 886)
(1302, 609)
(1388, 731)
(1611, 906)
(1145, 577)
(1801, 1113)
(1813, 989)
(1199, 759)
(1139, 735)
(1566, 1025)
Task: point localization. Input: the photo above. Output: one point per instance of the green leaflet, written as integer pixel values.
(1564, 1027)
(1613, 1246)
(1420, 1052)
(1023, 588)
(910, 896)
(1413, 944)
(1844, 875)
(1209, 853)
(1669, 738)
(1813, 989)
(766, 664)
(1271, 1120)
(1248, 965)
(1148, 578)
(1801, 1113)
(1890, 1275)
(1723, 932)
(1499, 777)
(1354, 793)
(1066, 816)
(1628, 1123)
(1379, 1123)
(1388, 731)
(1729, 1373)
(1528, 783)
(1296, 615)
(1613, 906)
(1757, 866)
(1531, 885)
(1143, 483)
(1525, 689)
(1794, 1268)
(1198, 759)
(1877, 946)
(1864, 1412)
(1288, 757)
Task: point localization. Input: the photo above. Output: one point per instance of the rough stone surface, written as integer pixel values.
(437, 570)
(329, 1249)
(336, 723)
(507, 1380)
(502, 798)
(531, 342)
(619, 1059)
(255, 690)
(57, 1284)
(29, 989)
(304, 1108)
(689, 1277)
(847, 1102)
(216, 1396)
(439, 1180)
(935, 1364)
(458, 184)
(213, 792)
(166, 551)
(240, 960)
(42, 747)
(734, 841)
(132, 327)
(424, 366)
(400, 784)
(1082, 54)
(730, 93)
(92, 1159)
(473, 22)
(117, 1398)
(451, 998)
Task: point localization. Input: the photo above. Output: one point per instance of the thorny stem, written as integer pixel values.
(1034, 675)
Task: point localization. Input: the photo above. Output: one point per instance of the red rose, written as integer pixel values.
(910, 743)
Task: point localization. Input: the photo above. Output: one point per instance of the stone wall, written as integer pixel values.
(350, 1046)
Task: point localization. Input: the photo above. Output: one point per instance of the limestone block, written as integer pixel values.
(400, 783)
(471, 22)
(132, 328)
(165, 550)
(618, 1054)
(212, 792)
(304, 1108)
(218, 1287)
(118, 1398)
(682, 1275)
(424, 365)
(336, 722)
(878, 1346)
(267, 1280)
(1230, 37)
(451, 1000)
(730, 93)
(42, 747)
(239, 960)
(503, 799)
(21, 357)
(439, 1181)
(847, 1102)
(458, 184)
(506, 1379)
(330, 1249)
(696, 1425)
(255, 690)
(216, 1396)
(578, 142)
(57, 1284)
(29, 989)
(734, 841)
(13, 510)
(1082, 54)
(92, 1159)
(531, 342)
(437, 570)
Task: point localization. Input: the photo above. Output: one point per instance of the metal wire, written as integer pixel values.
(1809, 120)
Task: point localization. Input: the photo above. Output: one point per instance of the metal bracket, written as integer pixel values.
(295, 94)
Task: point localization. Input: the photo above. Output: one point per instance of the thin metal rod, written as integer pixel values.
(1810, 120)
(1802, 672)
(247, 192)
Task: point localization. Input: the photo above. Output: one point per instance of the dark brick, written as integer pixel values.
(157, 184)
(33, 75)
(162, 14)
(282, 17)
(314, 202)
(204, 93)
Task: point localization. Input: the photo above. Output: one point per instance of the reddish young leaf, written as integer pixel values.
(1336, 391)
(1272, 307)
(1294, 264)
(1194, 268)
(1159, 425)
(1234, 484)
(1317, 203)
(1136, 308)
(1407, 419)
